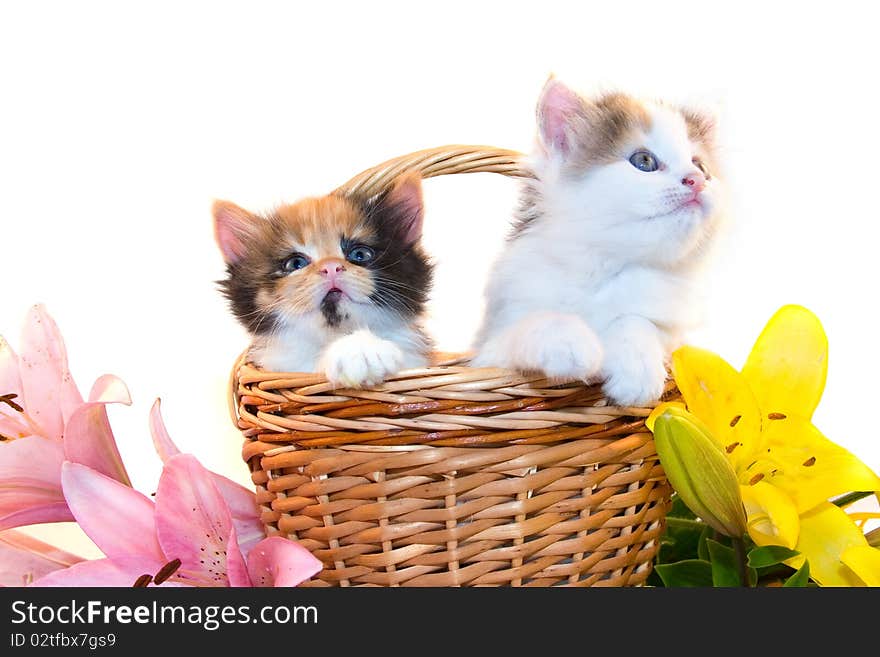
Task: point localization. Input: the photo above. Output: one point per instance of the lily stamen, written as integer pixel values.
(167, 571)
(7, 399)
(142, 581)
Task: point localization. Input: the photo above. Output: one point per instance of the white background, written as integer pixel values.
(121, 122)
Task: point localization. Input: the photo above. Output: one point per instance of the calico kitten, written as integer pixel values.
(598, 279)
(330, 284)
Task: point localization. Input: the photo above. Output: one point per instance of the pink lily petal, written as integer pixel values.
(102, 572)
(24, 558)
(242, 502)
(30, 483)
(40, 511)
(192, 520)
(277, 561)
(165, 447)
(89, 440)
(242, 505)
(236, 567)
(110, 389)
(48, 391)
(34, 458)
(10, 381)
(119, 519)
(12, 422)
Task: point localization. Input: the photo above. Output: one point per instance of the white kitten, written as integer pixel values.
(598, 280)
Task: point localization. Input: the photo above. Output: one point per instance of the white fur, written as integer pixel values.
(360, 358)
(604, 282)
(360, 352)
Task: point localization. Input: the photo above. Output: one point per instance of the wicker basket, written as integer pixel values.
(453, 475)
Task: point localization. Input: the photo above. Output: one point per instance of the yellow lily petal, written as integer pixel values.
(788, 364)
(826, 533)
(864, 562)
(861, 517)
(718, 395)
(772, 518)
(660, 410)
(799, 460)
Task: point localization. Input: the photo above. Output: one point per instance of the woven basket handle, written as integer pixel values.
(438, 161)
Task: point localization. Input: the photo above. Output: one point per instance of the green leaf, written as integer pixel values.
(702, 550)
(690, 572)
(801, 577)
(679, 541)
(723, 558)
(769, 555)
(679, 509)
(654, 579)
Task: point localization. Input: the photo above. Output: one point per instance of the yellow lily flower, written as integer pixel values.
(761, 419)
(864, 561)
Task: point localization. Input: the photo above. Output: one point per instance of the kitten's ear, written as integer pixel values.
(402, 205)
(559, 112)
(232, 226)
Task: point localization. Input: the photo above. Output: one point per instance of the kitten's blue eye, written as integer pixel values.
(294, 262)
(360, 254)
(644, 161)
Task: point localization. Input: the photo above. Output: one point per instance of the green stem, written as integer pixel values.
(739, 550)
(849, 498)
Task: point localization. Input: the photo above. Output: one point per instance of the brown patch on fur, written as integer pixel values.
(701, 129)
(604, 126)
(319, 222)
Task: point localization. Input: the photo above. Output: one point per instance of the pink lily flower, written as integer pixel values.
(242, 502)
(187, 537)
(24, 558)
(45, 421)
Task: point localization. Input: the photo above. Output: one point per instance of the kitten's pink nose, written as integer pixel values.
(695, 180)
(331, 267)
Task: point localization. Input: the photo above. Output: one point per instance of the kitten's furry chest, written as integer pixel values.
(298, 346)
(543, 271)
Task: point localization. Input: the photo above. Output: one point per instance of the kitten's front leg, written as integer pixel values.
(560, 345)
(362, 358)
(635, 366)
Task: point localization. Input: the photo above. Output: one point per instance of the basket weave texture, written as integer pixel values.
(453, 475)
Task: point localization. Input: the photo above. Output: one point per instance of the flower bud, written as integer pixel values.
(698, 471)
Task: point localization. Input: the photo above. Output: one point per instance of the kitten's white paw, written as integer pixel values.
(492, 353)
(361, 358)
(635, 377)
(560, 346)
